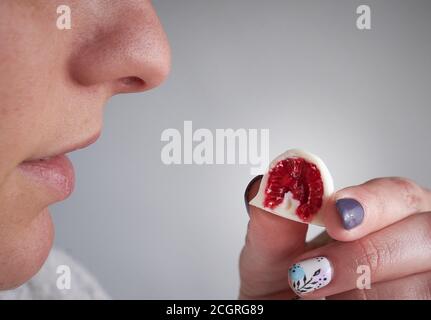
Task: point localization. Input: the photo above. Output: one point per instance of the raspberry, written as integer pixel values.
(302, 179)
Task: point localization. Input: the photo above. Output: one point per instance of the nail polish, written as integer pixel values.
(310, 275)
(247, 190)
(351, 212)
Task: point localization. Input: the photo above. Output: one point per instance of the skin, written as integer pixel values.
(394, 241)
(53, 86)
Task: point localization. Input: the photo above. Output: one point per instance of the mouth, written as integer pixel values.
(55, 171)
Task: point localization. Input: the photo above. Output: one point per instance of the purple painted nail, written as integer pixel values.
(247, 190)
(351, 212)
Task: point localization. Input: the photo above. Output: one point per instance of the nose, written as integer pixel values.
(125, 51)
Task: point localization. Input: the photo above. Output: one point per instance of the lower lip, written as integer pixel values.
(56, 173)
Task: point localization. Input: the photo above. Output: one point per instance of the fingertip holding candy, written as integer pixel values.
(295, 187)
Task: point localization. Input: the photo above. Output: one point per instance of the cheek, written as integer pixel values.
(24, 249)
(29, 70)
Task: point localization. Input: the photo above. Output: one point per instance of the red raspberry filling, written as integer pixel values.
(302, 179)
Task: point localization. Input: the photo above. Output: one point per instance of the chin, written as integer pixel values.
(25, 250)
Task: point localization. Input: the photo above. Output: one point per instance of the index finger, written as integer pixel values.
(271, 243)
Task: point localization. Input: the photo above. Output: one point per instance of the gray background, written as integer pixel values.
(359, 99)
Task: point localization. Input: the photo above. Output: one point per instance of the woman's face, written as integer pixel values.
(53, 85)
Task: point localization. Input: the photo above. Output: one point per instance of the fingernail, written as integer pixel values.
(247, 190)
(310, 275)
(351, 212)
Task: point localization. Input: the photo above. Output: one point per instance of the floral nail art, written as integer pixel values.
(309, 275)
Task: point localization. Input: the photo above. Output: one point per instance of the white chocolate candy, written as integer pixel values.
(287, 208)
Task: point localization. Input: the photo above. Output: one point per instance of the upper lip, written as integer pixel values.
(82, 144)
(70, 148)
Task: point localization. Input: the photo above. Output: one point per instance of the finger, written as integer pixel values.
(414, 287)
(319, 241)
(270, 244)
(357, 211)
(397, 251)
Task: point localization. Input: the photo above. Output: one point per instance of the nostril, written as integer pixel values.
(131, 84)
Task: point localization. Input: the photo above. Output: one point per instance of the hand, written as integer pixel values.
(384, 224)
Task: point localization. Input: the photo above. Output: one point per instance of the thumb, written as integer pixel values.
(271, 243)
